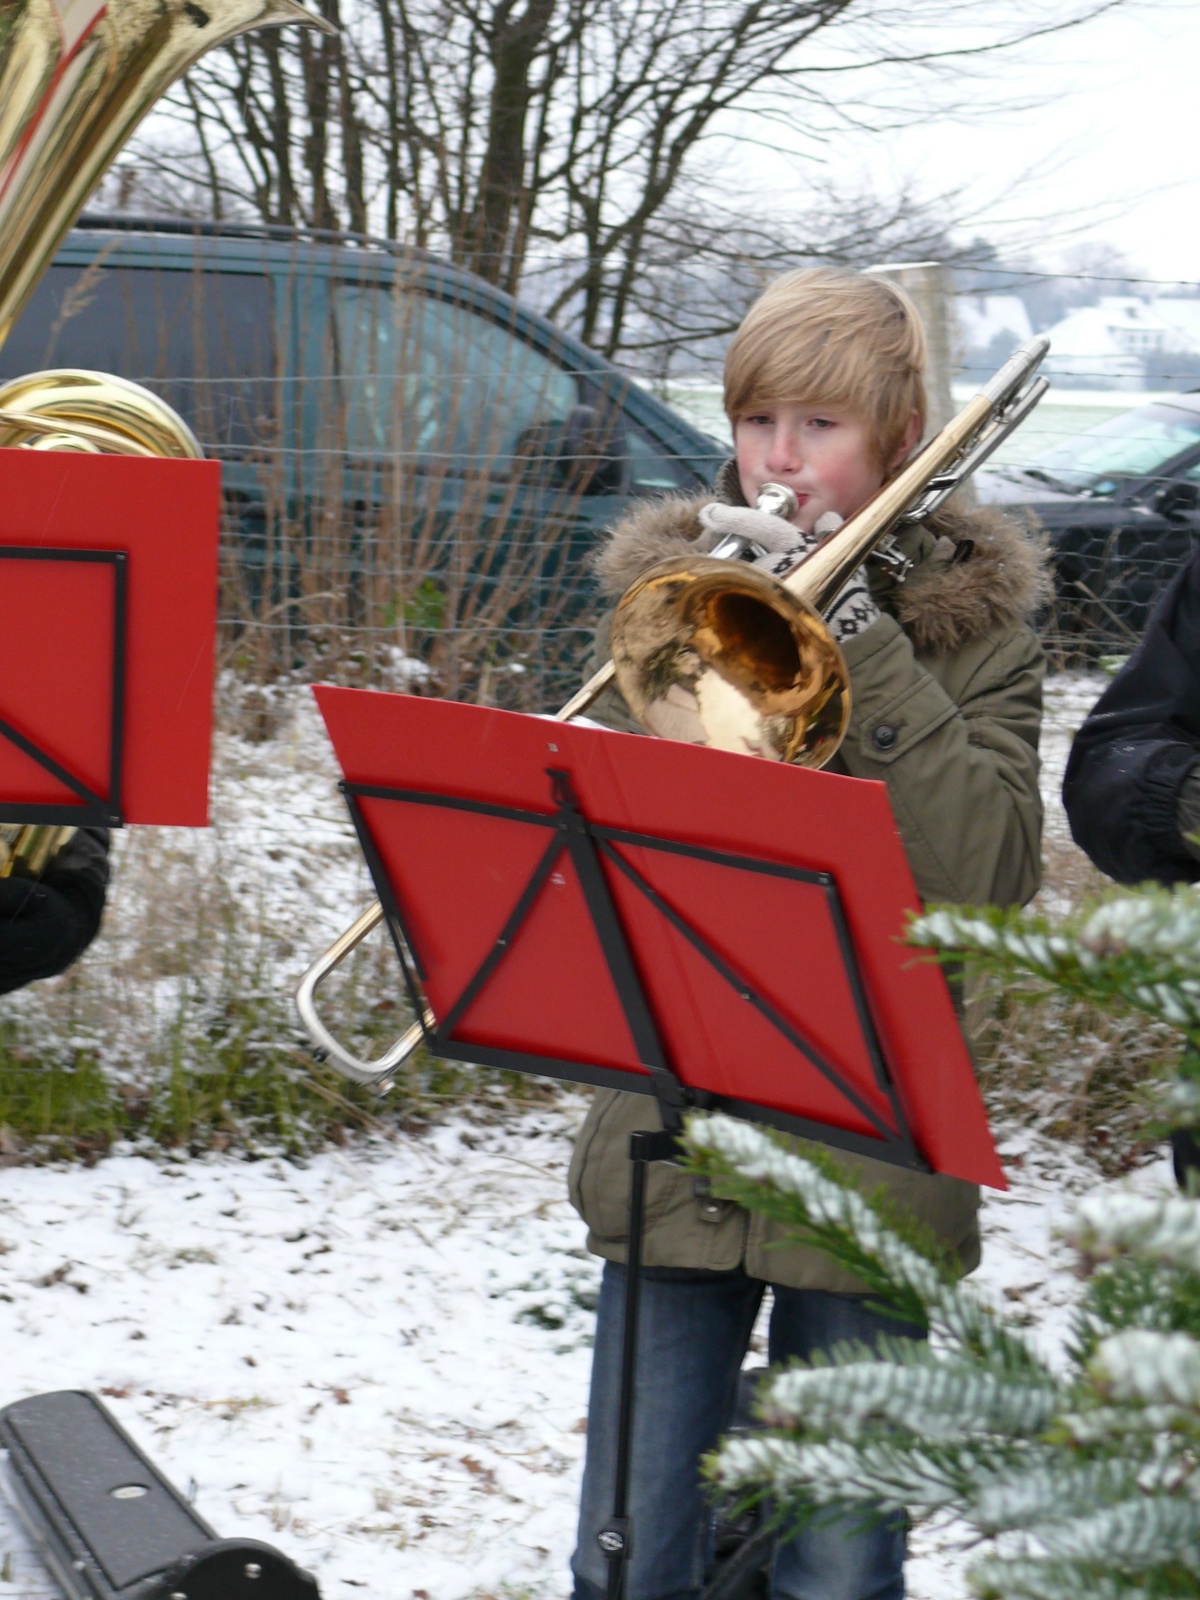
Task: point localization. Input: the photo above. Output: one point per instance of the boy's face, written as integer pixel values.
(823, 454)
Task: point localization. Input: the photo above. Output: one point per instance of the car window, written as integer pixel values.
(430, 381)
(1135, 444)
(651, 466)
(203, 341)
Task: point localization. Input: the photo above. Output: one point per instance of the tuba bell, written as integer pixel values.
(746, 656)
(76, 78)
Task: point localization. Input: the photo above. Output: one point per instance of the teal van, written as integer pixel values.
(415, 466)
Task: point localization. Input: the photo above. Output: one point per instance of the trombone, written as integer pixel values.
(750, 652)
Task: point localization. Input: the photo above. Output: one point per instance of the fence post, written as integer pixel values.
(929, 285)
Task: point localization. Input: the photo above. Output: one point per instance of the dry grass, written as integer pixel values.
(419, 504)
(415, 532)
(177, 1028)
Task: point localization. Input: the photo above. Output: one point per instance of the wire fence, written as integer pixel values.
(449, 586)
(1110, 462)
(414, 481)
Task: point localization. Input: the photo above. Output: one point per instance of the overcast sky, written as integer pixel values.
(1122, 131)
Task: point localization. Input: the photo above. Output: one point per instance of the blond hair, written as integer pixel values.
(826, 336)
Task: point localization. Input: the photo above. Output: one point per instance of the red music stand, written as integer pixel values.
(717, 931)
(108, 579)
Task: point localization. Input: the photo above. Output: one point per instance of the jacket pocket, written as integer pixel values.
(598, 1180)
(894, 726)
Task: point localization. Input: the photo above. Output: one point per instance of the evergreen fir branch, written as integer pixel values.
(939, 1400)
(1115, 1424)
(1086, 1481)
(997, 1578)
(1051, 1489)
(835, 1472)
(996, 1490)
(817, 1203)
(1134, 950)
(1148, 1368)
(1150, 1531)
(1134, 1293)
(820, 1205)
(1164, 1228)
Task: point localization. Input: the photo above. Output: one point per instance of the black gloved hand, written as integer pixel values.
(1187, 812)
(42, 930)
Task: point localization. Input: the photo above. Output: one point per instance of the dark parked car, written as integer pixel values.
(1121, 506)
(415, 466)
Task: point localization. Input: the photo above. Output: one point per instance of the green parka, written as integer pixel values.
(947, 699)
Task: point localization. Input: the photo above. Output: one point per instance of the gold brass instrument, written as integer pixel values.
(736, 658)
(27, 849)
(76, 78)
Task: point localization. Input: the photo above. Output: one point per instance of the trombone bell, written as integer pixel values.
(718, 653)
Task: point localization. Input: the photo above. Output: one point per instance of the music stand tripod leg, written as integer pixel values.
(616, 1536)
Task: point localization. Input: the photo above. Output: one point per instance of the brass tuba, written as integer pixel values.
(76, 78)
(744, 656)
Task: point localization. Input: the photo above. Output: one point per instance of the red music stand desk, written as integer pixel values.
(717, 931)
(108, 584)
(651, 916)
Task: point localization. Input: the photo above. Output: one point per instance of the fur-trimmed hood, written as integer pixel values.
(973, 570)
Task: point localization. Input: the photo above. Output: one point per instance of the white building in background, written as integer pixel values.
(1105, 346)
(1183, 317)
(983, 318)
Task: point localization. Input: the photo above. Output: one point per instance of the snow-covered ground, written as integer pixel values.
(378, 1360)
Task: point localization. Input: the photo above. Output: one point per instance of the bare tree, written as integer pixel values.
(706, 259)
(556, 147)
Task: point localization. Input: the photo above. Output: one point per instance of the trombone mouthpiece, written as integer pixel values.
(778, 499)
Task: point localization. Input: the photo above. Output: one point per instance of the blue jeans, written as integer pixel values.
(693, 1332)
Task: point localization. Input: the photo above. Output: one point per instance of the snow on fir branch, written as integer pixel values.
(1134, 949)
(1049, 1490)
(1162, 1228)
(834, 1473)
(1110, 1422)
(1153, 1368)
(1078, 1478)
(945, 1400)
(1135, 1536)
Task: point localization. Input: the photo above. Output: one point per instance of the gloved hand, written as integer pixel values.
(1187, 812)
(854, 610)
(42, 930)
(763, 527)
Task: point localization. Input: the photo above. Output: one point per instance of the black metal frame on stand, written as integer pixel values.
(588, 845)
(95, 810)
